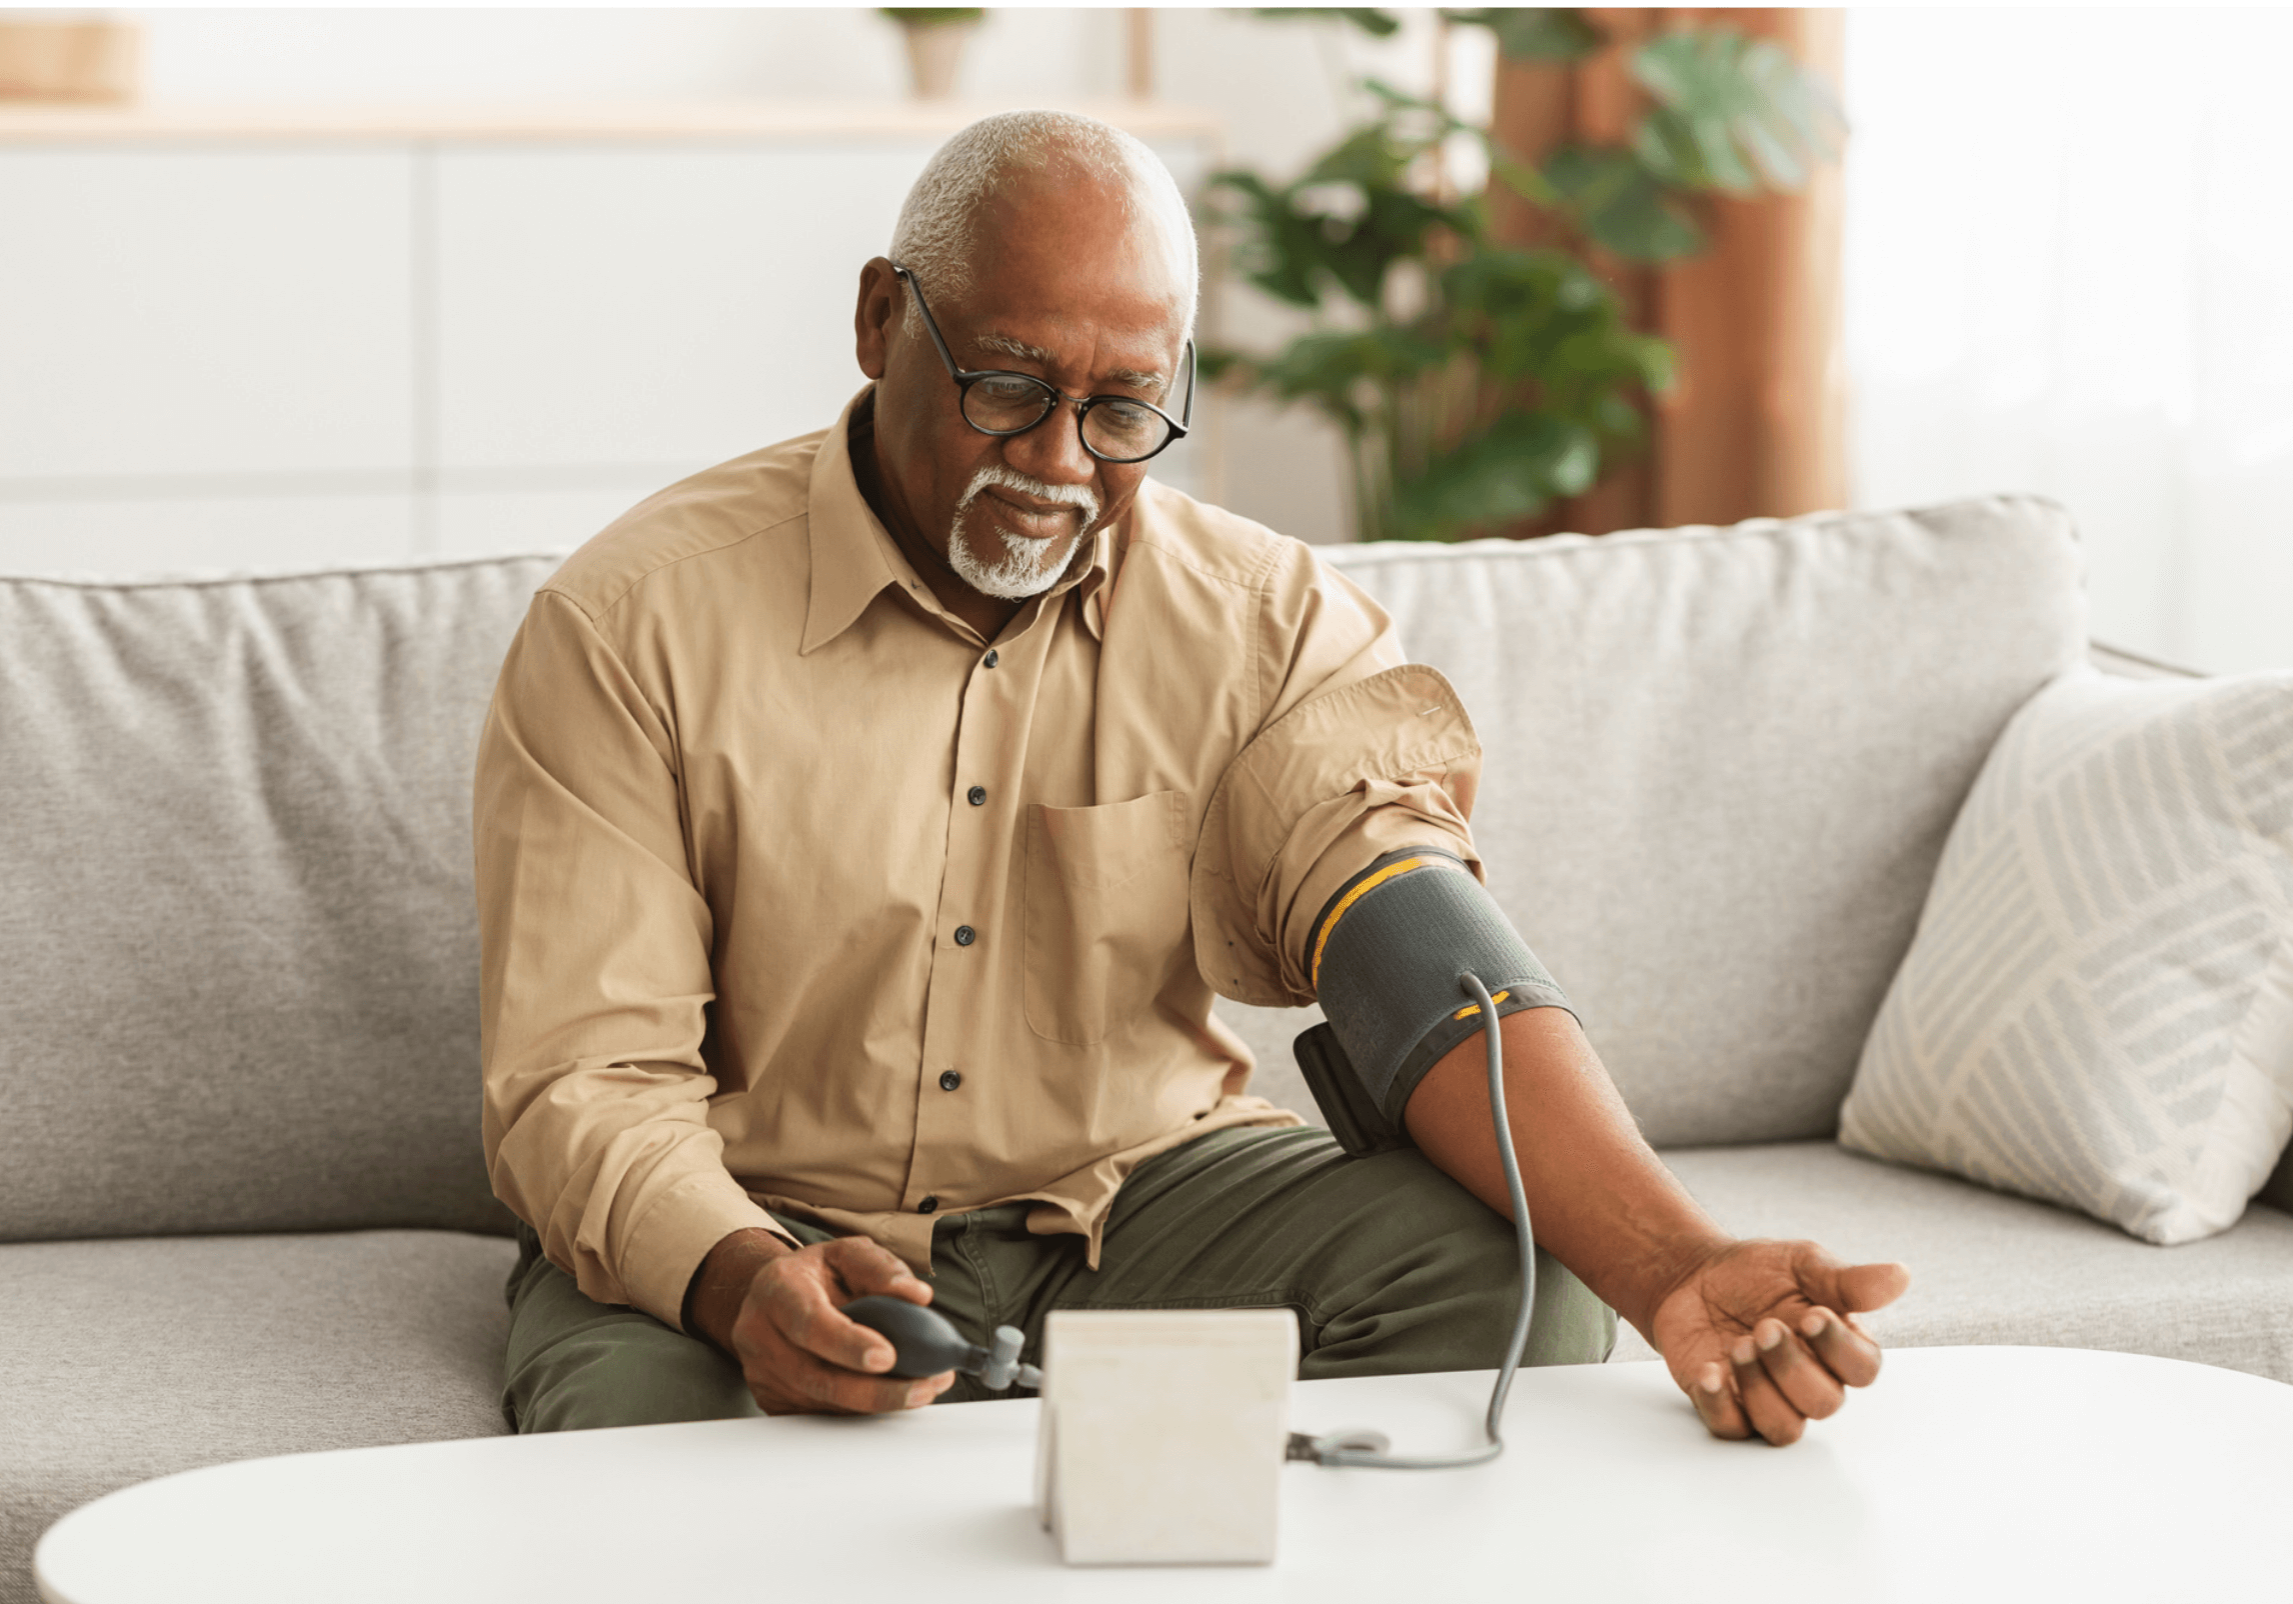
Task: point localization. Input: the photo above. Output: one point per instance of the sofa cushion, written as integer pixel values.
(1721, 766)
(130, 1359)
(2098, 1008)
(238, 927)
(1987, 1268)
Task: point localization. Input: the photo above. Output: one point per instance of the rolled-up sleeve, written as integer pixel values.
(1361, 753)
(596, 977)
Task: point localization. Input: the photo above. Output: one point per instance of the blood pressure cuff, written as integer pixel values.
(1385, 956)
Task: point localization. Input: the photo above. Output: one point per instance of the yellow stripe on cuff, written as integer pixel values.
(1390, 871)
(1470, 1009)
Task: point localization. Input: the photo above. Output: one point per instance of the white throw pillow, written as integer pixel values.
(2097, 1009)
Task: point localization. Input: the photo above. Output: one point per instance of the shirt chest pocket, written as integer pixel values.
(1106, 910)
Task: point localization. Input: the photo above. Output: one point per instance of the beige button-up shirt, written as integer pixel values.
(798, 895)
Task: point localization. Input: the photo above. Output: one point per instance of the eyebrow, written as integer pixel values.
(1006, 345)
(1011, 347)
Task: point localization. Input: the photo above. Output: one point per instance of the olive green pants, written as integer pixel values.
(1390, 1266)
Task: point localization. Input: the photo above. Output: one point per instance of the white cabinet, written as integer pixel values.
(257, 346)
(212, 312)
(631, 305)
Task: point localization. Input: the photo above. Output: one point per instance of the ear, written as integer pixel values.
(881, 303)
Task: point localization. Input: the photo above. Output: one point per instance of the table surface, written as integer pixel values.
(2021, 1474)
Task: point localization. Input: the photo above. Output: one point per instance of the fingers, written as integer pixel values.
(867, 1268)
(1776, 1381)
(808, 1358)
(1716, 1404)
(1805, 1384)
(1764, 1404)
(1869, 1286)
(1842, 1346)
(803, 1384)
(1828, 1284)
(799, 1351)
(810, 1313)
(800, 1311)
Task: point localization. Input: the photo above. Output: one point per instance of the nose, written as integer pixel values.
(1053, 451)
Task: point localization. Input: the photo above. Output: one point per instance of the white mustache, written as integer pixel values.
(1079, 497)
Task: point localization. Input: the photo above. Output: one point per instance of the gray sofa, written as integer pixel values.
(242, 1209)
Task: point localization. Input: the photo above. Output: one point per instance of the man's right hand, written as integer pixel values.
(778, 1310)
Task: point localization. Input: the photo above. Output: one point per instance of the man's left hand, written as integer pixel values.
(1762, 1336)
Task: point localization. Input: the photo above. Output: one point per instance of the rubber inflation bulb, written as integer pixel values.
(926, 1343)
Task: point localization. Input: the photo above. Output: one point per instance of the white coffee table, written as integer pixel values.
(2023, 1474)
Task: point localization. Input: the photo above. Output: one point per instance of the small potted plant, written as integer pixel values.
(935, 36)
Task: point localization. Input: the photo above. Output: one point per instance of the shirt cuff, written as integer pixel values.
(673, 1236)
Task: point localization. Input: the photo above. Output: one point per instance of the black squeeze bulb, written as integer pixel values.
(926, 1344)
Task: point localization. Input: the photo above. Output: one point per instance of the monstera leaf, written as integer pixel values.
(1478, 382)
(1731, 113)
(1621, 205)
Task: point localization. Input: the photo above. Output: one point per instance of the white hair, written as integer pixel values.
(933, 238)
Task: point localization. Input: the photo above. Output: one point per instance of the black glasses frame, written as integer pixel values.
(965, 378)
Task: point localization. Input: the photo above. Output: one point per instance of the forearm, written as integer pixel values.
(1601, 1201)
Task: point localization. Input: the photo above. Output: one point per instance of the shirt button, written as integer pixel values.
(965, 935)
(928, 1205)
(991, 658)
(977, 795)
(950, 1079)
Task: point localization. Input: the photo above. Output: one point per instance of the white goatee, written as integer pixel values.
(1025, 567)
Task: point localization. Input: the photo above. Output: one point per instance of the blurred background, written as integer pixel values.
(291, 287)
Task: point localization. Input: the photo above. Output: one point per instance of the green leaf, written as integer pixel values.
(1414, 123)
(1621, 204)
(1377, 24)
(1285, 252)
(1731, 113)
(932, 16)
(1535, 33)
(1521, 178)
(1514, 469)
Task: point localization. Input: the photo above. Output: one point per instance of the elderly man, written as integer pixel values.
(864, 825)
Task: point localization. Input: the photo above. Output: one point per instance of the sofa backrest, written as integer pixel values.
(235, 908)
(236, 922)
(1721, 764)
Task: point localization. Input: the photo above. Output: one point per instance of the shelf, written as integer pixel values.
(33, 124)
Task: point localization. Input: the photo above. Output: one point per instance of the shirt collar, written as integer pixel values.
(855, 559)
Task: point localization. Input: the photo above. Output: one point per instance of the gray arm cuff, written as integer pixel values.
(1388, 965)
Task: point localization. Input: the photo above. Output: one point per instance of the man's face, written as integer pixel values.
(1064, 288)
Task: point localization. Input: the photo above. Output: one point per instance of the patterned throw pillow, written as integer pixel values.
(2098, 1007)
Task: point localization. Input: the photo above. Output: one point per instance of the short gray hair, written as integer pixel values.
(933, 237)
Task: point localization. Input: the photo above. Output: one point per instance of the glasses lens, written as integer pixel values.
(1124, 431)
(1003, 402)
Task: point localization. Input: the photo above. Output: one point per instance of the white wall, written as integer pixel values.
(74, 496)
(2069, 240)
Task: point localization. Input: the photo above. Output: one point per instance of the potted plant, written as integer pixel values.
(1475, 381)
(935, 38)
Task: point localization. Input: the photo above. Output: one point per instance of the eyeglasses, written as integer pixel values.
(1114, 428)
